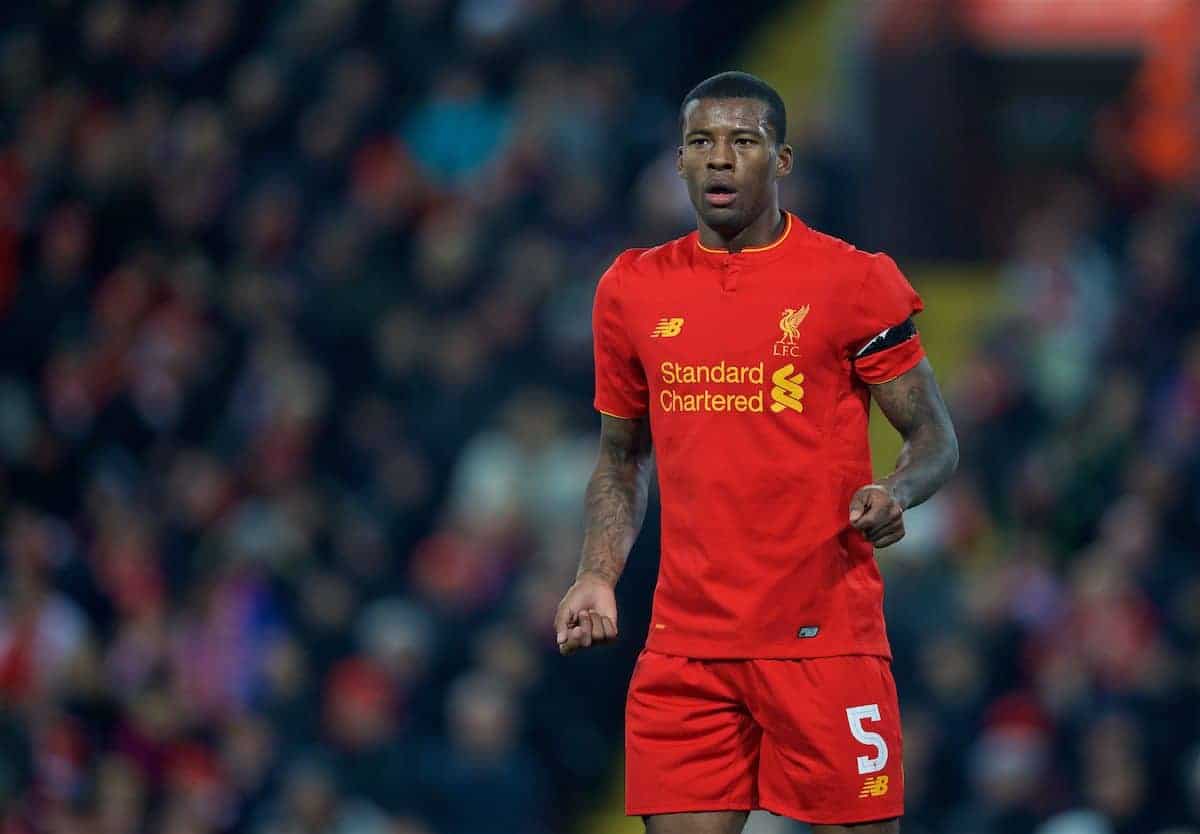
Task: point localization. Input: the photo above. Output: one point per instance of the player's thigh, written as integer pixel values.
(885, 827)
(707, 822)
(690, 743)
(831, 751)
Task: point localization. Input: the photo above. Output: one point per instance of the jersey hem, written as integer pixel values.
(884, 652)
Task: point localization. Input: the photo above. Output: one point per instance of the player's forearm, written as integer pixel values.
(616, 507)
(615, 504)
(927, 460)
(913, 404)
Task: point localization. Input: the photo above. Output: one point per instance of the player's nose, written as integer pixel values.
(721, 156)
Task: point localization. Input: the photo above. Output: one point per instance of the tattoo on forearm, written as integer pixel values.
(914, 405)
(615, 505)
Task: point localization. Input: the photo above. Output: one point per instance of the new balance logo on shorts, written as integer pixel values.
(874, 786)
(678, 706)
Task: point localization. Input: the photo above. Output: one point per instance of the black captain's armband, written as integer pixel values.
(889, 338)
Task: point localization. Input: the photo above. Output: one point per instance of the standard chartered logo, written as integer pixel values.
(787, 392)
(728, 388)
(727, 398)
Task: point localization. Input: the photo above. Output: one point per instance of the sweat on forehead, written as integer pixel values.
(708, 113)
(741, 86)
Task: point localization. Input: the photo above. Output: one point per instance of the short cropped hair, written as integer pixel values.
(741, 85)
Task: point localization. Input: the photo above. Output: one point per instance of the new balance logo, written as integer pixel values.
(667, 327)
(874, 786)
(787, 392)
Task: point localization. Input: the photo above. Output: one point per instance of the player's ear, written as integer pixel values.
(679, 160)
(783, 160)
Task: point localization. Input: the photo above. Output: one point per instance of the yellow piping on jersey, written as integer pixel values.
(786, 230)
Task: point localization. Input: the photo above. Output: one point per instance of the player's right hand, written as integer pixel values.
(587, 615)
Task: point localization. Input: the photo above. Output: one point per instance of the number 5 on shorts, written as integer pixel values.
(856, 716)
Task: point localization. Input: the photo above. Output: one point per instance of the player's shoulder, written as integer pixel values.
(840, 251)
(642, 263)
(847, 270)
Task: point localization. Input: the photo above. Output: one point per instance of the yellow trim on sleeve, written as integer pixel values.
(921, 355)
(619, 416)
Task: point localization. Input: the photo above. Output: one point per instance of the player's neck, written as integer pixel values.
(767, 228)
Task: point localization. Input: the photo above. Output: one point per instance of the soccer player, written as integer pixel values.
(749, 351)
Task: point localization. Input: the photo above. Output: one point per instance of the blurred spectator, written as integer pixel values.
(481, 758)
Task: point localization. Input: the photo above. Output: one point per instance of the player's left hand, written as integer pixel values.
(876, 513)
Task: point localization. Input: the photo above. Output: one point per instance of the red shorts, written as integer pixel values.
(817, 739)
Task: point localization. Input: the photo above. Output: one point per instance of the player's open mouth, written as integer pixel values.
(720, 195)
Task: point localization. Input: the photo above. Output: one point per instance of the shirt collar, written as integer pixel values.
(791, 232)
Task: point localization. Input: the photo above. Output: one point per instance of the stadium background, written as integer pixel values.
(295, 381)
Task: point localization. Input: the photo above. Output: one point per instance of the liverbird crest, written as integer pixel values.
(789, 323)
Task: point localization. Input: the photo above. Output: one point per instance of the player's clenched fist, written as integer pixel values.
(876, 513)
(587, 615)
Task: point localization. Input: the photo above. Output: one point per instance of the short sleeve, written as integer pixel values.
(885, 300)
(621, 389)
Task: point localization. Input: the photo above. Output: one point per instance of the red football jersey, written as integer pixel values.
(745, 363)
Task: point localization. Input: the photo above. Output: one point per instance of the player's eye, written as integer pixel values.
(745, 140)
(697, 140)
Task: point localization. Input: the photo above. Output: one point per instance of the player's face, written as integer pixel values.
(730, 161)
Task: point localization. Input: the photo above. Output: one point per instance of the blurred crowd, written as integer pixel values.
(1045, 607)
(295, 380)
(294, 408)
